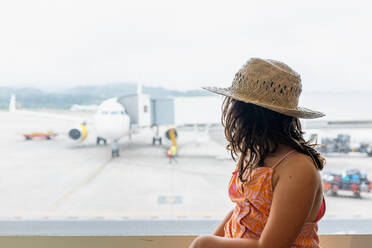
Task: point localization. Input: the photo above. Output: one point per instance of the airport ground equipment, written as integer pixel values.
(340, 144)
(352, 180)
(115, 149)
(47, 136)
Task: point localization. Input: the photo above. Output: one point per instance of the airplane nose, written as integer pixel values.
(74, 134)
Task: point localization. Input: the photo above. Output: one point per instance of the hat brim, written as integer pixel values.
(299, 112)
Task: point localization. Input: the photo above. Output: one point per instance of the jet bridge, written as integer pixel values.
(138, 108)
(177, 111)
(181, 111)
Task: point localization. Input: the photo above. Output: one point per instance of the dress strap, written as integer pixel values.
(284, 157)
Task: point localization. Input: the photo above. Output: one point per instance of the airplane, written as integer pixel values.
(114, 119)
(111, 122)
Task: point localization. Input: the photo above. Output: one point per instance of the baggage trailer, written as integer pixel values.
(349, 181)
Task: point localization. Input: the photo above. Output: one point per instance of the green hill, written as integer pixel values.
(64, 99)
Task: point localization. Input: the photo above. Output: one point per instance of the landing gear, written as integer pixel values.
(115, 153)
(154, 140)
(157, 137)
(101, 141)
(115, 149)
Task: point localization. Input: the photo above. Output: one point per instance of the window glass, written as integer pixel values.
(168, 160)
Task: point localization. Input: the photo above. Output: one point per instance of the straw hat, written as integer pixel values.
(270, 84)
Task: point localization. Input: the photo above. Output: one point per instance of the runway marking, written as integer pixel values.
(169, 199)
(77, 187)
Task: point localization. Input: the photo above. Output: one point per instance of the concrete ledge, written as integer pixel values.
(327, 241)
(346, 241)
(151, 227)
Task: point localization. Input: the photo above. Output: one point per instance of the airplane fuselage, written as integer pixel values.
(111, 121)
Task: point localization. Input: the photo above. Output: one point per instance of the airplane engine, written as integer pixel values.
(171, 134)
(79, 133)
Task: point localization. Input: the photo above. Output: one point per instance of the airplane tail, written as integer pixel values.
(12, 103)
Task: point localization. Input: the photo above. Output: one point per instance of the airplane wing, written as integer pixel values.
(76, 119)
(54, 116)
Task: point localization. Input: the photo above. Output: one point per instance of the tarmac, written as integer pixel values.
(61, 179)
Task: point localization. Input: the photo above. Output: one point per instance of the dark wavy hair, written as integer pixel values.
(252, 132)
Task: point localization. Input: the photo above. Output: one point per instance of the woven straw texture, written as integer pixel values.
(270, 84)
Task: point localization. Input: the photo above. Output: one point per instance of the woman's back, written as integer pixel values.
(292, 161)
(253, 201)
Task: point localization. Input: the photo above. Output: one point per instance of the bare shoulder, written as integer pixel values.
(294, 197)
(297, 167)
(298, 162)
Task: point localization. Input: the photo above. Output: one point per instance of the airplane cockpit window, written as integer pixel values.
(117, 112)
(105, 116)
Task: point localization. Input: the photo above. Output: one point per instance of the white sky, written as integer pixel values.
(182, 44)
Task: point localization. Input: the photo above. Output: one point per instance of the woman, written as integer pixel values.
(276, 186)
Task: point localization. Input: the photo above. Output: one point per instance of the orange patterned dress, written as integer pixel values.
(252, 209)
